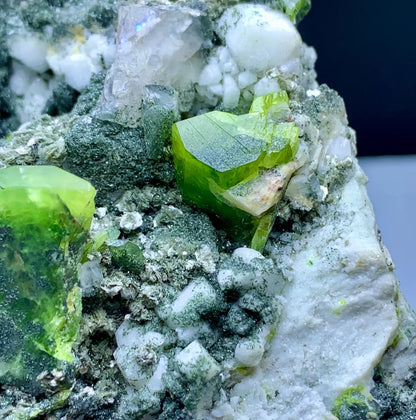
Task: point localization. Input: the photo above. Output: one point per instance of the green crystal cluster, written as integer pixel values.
(45, 214)
(236, 166)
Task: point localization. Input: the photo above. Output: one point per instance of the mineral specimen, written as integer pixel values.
(237, 166)
(121, 157)
(45, 214)
(47, 53)
(155, 45)
(179, 321)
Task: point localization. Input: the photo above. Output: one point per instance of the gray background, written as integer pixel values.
(392, 190)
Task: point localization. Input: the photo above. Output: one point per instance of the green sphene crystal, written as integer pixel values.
(296, 10)
(45, 215)
(236, 166)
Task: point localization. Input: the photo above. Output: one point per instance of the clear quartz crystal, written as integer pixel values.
(155, 45)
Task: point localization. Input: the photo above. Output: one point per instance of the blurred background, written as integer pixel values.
(367, 52)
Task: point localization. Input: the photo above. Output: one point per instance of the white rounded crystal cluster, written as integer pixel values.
(76, 59)
(259, 43)
(79, 58)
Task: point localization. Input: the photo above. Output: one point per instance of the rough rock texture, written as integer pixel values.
(338, 317)
(122, 157)
(179, 320)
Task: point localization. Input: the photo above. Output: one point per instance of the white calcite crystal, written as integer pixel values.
(34, 100)
(155, 45)
(77, 59)
(138, 354)
(259, 44)
(259, 38)
(131, 221)
(29, 50)
(21, 78)
(196, 363)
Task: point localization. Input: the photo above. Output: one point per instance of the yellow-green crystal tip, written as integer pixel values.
(45, 214)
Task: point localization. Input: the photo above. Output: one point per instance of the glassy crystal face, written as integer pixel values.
(236, 166)
(45, 214)
(155, 45)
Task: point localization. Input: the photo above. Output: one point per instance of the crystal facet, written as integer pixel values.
(45, 214)
(236, 166)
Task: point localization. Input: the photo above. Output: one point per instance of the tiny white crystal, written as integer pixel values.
(29, 50)
(34, 100)
(217, 89)
(90, 277)
(131, 221)
(185, 309)
(227, 63)
(77, 69)
(155, 383)
(137, 355)
(211, 74)
(246, 78)
(247, 254)
(196, 363)
(249, 351)
(265, 86)
(231, 92)
(21, 78)
(339, 147)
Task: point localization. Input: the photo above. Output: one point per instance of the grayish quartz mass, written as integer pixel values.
(155, 45)
(180, 322)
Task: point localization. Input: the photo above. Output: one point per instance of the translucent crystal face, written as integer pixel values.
(220, 159)
(39, 183)
(155, 45)
(45, 214)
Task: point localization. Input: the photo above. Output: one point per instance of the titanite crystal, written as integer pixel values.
(45, 214)
(236, 166)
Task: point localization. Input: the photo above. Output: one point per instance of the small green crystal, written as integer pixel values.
(45, 214)
(235, 166)
(128, 257)
(296, 10)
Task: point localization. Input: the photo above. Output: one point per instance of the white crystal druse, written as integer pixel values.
(258, 44)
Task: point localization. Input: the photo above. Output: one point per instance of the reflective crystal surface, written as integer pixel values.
(45, 214)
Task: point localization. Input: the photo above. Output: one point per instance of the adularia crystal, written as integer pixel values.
(45, 214)
(236, 166)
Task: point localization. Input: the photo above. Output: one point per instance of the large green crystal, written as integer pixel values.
(235, 166)
(45, 214)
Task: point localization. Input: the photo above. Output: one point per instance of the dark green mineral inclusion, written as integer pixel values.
(45, 215)
(217, 151)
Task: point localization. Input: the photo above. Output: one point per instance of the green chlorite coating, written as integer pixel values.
(45, 215)
(219, 156)
(129, 257)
